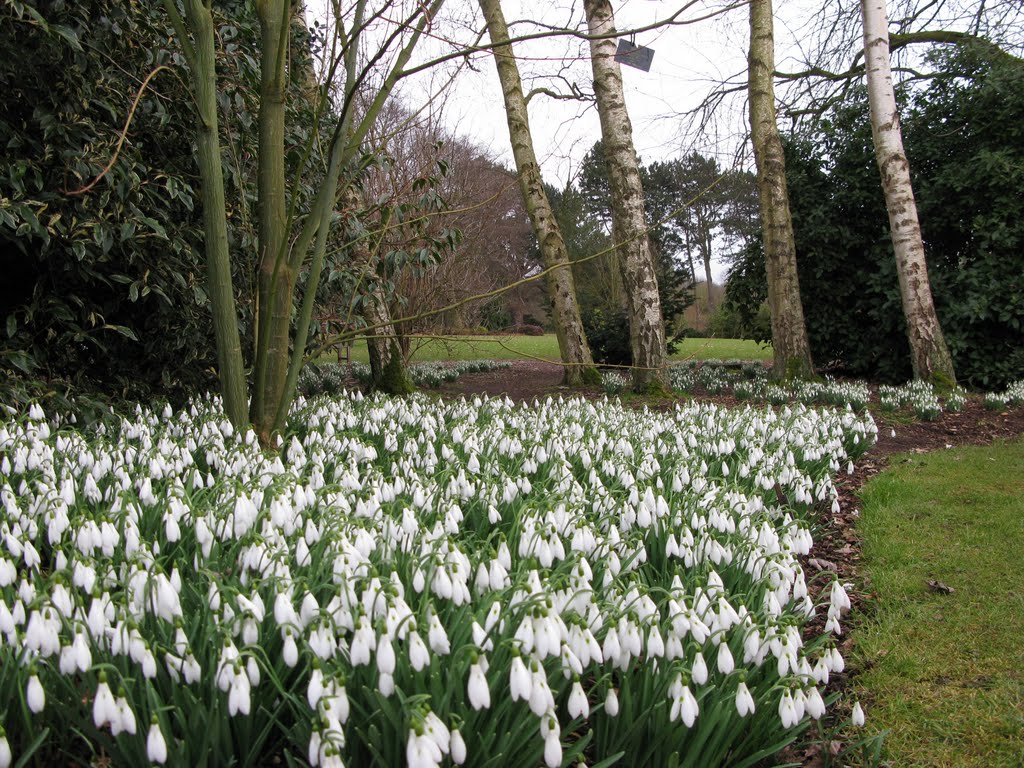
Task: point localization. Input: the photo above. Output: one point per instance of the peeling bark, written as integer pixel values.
(789, 332)
(929, 354)
(572, 341)
(629, 227)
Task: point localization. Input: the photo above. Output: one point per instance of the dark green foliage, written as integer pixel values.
(93, 283)
(964, 136)
(607, 332)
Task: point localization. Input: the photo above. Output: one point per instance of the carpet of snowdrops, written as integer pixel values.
(414, 582)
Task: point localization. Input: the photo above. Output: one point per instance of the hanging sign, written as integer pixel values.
(636, 56)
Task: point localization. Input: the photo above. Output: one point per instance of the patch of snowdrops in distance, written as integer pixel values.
(410, 582)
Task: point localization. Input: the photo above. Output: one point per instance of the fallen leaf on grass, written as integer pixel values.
(938, 586)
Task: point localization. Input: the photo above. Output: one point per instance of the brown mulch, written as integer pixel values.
(837, 547)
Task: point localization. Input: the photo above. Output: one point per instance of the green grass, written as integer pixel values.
(944, 673)
(722, 349)
(546, 347)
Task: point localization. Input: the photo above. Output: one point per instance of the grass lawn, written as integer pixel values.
(546, 347)
(944, 673)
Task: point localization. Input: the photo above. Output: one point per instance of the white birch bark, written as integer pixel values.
(929, 354)
(572, 341)
(629, 228)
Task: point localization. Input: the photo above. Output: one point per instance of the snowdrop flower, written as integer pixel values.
(421, 751)
(104, 708)
(34, 695)
(684, 705)
(726, 664)
(578, 705)
(787, 710)
(520, 680)
(744, 700)
(5, 750)
(419, 656)
(699, 670)
(479, 693)
(611, 703)
(437, 637)
(290, 651)
(814, 704)
(857, 716)
(552, 743)
(125, 721)
(458, 748)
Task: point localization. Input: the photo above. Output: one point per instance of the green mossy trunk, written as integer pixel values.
(789, 332)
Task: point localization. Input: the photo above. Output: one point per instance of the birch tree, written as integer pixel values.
(629, 228)
(287, 242)
(792, 351)
(572, 341)
(930, 356)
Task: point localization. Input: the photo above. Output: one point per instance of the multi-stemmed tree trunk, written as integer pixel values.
(929, 354)
(789, 333)
(286, 243)
(629, 227)
(388, 372)
(572, 341)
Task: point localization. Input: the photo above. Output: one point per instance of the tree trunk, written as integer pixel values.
(929, 354)
(202, 64)
(629, 226)
(276, 286)
(388, 372)
(789, 333)
(706, 254)
(572, 341)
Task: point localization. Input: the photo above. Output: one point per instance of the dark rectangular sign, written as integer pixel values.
(634, 55)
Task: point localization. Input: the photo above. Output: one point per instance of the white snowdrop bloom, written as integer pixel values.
(458, 748)
(787, 710)
(552, 749)
(479, 693)
(726, 664)
(684, 707)
(125, 720)
(238, 693)
(35, 697)
(6, 758)
(385, 684)
(419, 655)
(814, 703)
(744, 700)
(839, 598)
(316, 746)
(104, 708)
(611, 703)
(385, 655)
(520, 680)
(541, 698)
(289, 651)
(421, 751)
(857, 716)
(699, 670)
(437, 638)
(362, 641)
(578, 705)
